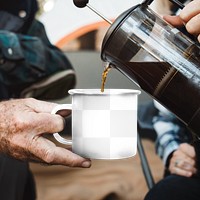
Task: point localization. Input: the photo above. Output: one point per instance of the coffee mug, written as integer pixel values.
(104, 124)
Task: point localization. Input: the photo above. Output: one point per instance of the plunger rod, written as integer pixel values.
(83, 3)
(97, 12)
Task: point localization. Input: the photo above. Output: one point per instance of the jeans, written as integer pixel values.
(174, 187)
(16, 180)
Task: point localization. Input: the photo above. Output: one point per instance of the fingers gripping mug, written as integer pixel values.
(104, 125)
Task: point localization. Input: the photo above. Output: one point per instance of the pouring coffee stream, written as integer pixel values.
(159, 58)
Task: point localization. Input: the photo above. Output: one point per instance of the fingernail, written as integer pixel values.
(86, 164)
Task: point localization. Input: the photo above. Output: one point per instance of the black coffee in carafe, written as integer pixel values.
(159, 58)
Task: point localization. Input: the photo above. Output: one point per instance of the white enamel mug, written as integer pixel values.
(104, 125)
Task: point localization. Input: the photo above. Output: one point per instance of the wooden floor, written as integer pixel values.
(119, 179)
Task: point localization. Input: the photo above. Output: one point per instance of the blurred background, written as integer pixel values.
(73, 28)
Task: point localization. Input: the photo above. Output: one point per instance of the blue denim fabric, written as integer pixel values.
(26, 59)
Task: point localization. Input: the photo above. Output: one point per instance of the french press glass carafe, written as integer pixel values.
(159, 58)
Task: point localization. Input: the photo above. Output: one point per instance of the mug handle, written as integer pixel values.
(56, 135)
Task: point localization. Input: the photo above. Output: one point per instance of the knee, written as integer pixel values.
(162, 190)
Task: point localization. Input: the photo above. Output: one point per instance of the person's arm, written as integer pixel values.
(23, 123)
(170, 134)
(26, 59)
(53, 55)
(168, 137)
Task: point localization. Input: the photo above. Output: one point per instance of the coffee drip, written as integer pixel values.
(104, 77)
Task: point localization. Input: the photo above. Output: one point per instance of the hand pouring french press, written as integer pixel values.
(159, 58)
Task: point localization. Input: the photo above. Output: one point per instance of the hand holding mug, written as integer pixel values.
(23, 123)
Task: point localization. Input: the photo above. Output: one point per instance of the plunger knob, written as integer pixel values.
(80, 3)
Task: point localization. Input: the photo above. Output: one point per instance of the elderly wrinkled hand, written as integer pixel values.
(189, 16)
(182, 161)
(23, 123)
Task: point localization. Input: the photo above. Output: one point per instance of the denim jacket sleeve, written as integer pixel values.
(51, 54)
(10, 46)
(25, 58)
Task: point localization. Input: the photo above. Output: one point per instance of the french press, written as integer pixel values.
(159, 58)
